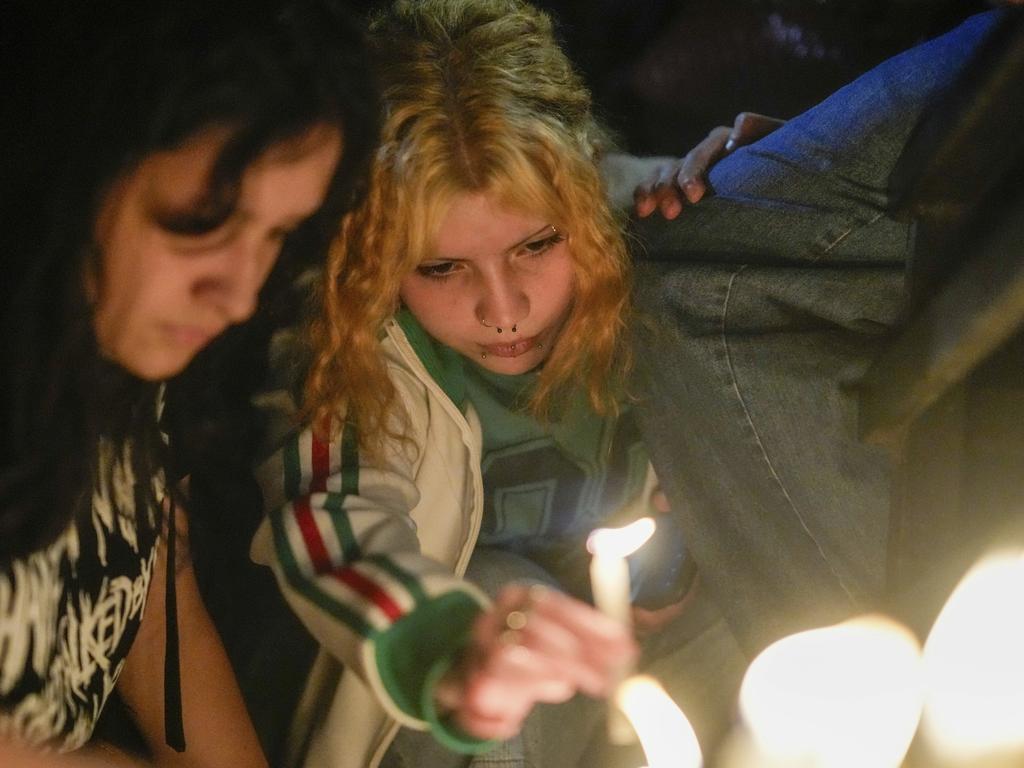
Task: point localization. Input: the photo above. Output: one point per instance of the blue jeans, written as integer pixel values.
(770, 299)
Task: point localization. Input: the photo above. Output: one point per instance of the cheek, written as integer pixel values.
(560, 287)
(136, 289)
(426, 301)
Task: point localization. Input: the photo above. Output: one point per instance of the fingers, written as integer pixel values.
(698, 161)
(537, 645)
(685, 181)
(748, 127)
(652, 193)
(682, 181)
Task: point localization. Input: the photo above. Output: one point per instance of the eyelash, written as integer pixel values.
(533, 249)
(539, 247)
(203, 242)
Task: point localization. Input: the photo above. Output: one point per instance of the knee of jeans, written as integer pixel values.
(491, 569)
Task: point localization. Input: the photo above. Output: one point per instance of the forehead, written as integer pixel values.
(287, 179)
(181, 174)
(480, 223)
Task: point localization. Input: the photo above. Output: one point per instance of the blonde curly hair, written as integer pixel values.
(477, 97)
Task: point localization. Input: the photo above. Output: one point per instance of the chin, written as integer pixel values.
(511, 366)
(156, 367)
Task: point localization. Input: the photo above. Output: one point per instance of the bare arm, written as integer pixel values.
(218, 731)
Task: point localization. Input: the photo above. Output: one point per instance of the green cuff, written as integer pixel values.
(443, 729)
(416, 651)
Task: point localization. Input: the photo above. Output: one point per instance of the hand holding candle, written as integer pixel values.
(533, 645)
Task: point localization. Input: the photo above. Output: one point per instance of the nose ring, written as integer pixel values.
(498, 328)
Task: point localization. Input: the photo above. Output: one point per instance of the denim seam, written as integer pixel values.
(757, 436)
(828, 248)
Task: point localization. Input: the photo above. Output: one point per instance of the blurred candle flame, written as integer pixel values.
(845, 696)
(664, 731)
(620, 542)
(974, 663)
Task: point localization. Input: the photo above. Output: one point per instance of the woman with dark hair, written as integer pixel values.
(166, 153)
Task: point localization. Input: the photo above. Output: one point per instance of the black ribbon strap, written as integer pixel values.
(174, 727)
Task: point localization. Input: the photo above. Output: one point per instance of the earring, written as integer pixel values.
(514, 327)
(483, 355)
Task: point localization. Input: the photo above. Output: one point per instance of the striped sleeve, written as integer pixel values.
(343, 547)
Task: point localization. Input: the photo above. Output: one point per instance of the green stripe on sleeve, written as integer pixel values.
(334, 502)
(307, 587)
(404, 577)
(350, 550)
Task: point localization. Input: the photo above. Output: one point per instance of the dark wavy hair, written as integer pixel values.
(97, 86)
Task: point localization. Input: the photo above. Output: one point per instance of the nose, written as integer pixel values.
(233, 284)
(503, 303)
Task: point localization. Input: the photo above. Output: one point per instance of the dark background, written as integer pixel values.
(663, 72)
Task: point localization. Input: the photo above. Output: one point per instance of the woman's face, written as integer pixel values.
(499, 287)
(169, 282)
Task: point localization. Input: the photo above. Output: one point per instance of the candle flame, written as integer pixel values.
(849, 695)
(974, 663)
(620, 542)
(664, 731)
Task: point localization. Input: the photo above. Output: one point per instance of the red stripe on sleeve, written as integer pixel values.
(321, 458)
(371, 591)
(311, 535)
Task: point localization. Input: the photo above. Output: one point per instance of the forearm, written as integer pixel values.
(96, 755)
(217, 727)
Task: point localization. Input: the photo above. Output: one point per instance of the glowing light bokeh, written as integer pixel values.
(974, 663)
(845, 696)
(620, 542)
(664, 731)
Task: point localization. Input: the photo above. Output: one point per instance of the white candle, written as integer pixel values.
(609, 571)
(609, 581)
(664, 731)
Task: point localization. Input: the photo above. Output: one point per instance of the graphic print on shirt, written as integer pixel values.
(69, 613)
(542, 496)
